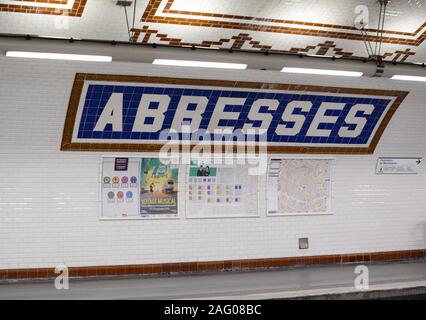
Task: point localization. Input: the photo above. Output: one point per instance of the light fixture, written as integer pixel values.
(408, 78)
(58, 56)
(323, 72)
(201, 64)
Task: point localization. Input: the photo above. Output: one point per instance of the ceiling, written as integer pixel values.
(313, 27)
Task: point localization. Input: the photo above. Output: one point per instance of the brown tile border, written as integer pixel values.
(168, 9)
(150, 15)
(320, 48)
(68, 145)
(213, 266)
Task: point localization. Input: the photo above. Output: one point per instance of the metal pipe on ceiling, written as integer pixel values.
(146, 53)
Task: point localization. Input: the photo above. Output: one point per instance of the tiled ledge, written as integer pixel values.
(212, 266)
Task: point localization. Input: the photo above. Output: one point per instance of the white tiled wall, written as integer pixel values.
(49, 200)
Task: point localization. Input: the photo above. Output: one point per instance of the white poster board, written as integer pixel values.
(299, 186)
(138, 188)
(120, 189)
(221, 191)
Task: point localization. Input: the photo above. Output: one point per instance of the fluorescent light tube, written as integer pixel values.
(408, 78)
(323, 72)
(201, 64)
(58, 56)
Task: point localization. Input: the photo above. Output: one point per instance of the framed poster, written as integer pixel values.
(158, 188)
(223, 191)
(299, 187)
(138, 188)
(120, 189)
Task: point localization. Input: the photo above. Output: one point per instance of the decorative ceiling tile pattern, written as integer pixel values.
(317, 27)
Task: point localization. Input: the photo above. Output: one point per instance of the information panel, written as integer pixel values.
(138, 188)
(398, 165)
(120, 189)
(299, 186)
(221, 191)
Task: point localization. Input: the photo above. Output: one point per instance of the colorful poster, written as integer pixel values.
(158, 188)
(120, 190)
(221, 191)
(202, 170)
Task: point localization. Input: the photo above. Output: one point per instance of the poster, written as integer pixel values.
(158, 188)
(299, 186)
(120, 189)
(221, 191)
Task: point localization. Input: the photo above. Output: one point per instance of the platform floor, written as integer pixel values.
(295, 282)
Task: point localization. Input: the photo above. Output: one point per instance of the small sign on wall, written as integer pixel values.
(121, 164)
(398, 165)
